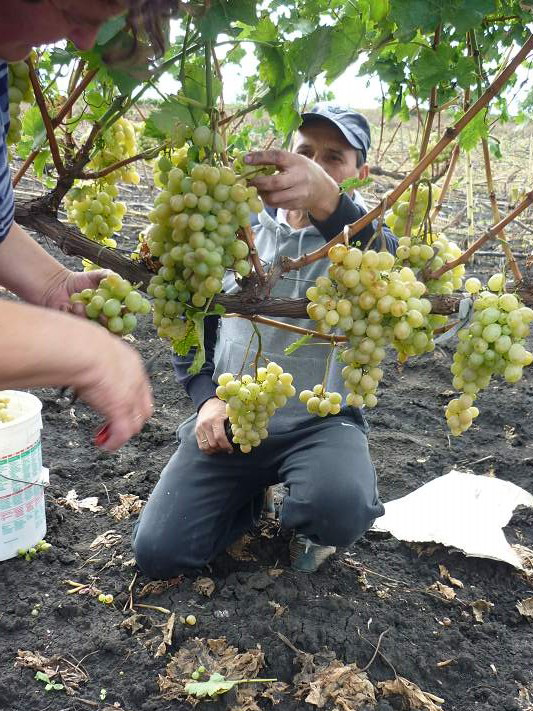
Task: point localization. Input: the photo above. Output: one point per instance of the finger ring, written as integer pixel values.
(203, 441)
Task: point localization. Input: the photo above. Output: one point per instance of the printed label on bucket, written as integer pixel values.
(22, 513)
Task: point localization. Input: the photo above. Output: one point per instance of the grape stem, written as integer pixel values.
(246, 234)
(449, 135)
(259, 353)
(326, 370)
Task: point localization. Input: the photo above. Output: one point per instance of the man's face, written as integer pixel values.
(25, 24)
(323, 143)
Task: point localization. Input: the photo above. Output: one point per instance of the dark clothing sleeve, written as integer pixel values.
(199, 387)
(349, 211)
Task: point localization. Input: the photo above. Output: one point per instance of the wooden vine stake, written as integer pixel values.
(447, 181)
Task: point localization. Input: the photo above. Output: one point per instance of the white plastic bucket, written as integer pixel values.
(22, 477)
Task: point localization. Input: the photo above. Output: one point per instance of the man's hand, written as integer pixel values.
(67, 283)
(301, 184)
(209, 430)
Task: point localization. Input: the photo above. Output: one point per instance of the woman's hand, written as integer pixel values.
(68, 283)
(210, 433)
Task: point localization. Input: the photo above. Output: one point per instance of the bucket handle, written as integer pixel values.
(44, 479)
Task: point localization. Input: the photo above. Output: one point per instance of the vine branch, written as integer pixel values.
(41, 103)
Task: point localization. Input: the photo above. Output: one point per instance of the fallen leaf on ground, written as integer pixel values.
(525, 607)
(413, 694)
(204, 586)
(445, 573)
(157, 587)
(279, 609)
(134, 623)
(239, 549)
(217, 656)
(71, 501)
(445, 591)
(71, 675)
(130, 504)
(343, 684)
(526, 556)
(480, 608)
(106, 539)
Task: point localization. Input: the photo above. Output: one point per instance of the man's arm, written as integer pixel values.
(199, 387)
(302, 184)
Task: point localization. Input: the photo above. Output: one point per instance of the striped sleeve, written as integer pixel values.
(7, 206)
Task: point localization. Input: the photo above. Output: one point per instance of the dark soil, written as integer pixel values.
(377, 586)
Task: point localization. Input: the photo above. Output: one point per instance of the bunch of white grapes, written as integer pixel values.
(117, 300)
(93, 208)
(193, 235)
(117, 143)
(397, 219)
(433, 253)
(492, 344)
(19, 90)
(460, 412)
(373, 304)
(321, 402)
(4, 412)
(251, 402)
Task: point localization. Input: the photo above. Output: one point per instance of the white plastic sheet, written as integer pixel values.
(461, 510)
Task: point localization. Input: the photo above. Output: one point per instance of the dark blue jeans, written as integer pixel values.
(203, 503)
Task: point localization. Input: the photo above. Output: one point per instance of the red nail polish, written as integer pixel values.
(101, 436)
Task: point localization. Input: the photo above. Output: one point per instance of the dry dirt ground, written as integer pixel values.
(306, 632)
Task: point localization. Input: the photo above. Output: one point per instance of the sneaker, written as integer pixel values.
(306, 556)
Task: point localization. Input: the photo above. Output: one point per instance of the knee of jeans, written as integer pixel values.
(341, 517)
(159, 561)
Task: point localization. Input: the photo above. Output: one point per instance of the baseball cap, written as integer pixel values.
(353, 126)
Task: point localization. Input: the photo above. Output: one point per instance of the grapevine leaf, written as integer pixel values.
(355, 183)
(161, 122)
(189, 341)
(473, 132)
(199, 356)
(216, 685)
(223, 14)
(304, 340)
(41, 676)
(346, 41)
(40, 161)
(308, 53)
